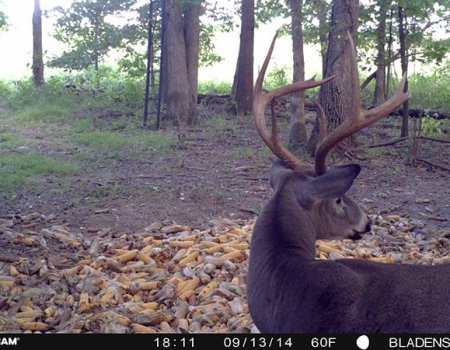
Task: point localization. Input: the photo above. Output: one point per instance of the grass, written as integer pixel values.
(244, 153)
(112, 140)
(43, 113)
(214, 87)
(24, 169)
(11, 141)
(101, 124)
(85, 126)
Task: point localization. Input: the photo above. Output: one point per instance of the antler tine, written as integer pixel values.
(260, 101)
(360, 120)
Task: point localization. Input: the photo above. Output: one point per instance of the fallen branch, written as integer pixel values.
(389, 143)
(432, 164)
(392, 142)
(433, 139)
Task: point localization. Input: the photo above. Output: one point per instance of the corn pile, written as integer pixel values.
(166, 278)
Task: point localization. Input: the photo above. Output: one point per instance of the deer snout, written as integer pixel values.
(365, 227)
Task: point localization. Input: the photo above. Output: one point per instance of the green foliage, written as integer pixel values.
(112, 140)
(10, 141)
(6, 89)
(277, 77)
(66, 96)
(94, 125)
(3, 19)
(431, 91)
(19, 169)
(267, 10)
(422, 26)
(86, 28)
(435, 50)
(433, 127)
(313, 11)
(214, 87)
(207, 55)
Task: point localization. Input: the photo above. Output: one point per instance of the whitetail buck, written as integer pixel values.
(289, 291)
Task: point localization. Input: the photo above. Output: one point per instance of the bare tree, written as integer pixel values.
(242, 90)
(38, 62)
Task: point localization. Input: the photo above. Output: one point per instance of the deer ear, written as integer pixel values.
(277, 172)
(334, 183)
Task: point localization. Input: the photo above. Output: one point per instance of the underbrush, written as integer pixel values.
(71, 121)
(431, 91)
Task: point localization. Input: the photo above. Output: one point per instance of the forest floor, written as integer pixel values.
(215, 172)
(220, 168)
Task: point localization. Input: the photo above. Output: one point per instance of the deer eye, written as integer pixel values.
(339, 200)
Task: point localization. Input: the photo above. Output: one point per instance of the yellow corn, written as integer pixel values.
(130, 255)
(187, 259)
(208, 289)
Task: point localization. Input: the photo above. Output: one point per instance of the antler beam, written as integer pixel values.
(261, 100)
(360, 120)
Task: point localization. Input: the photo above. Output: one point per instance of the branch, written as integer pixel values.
(374, 74)
(432, 164)
(393, 142)
(388, 143)
(433, 139)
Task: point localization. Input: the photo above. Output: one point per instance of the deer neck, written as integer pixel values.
(284, 227)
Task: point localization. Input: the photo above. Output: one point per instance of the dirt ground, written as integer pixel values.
(99, 251)
(224, 173)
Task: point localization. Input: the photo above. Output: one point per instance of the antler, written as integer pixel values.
(360, 120)
(260, 101)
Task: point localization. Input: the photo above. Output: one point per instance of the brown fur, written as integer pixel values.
(291, 292)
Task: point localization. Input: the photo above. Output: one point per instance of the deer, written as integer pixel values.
(288, 289)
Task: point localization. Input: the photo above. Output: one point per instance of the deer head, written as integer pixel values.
(288, 290)
(319, 192)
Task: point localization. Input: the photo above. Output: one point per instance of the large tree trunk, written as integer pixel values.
(380, 82)
(242, 90)
(338, 97)
(404, 59)
(38, 62)
(192, 13)
(297, 135)
(177, 92)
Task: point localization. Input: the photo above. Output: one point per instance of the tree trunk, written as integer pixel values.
(322, 16)
(178, 95)
(38, 62)
(297, 135)
(339, 97)
(380, 82)
(390, 42)
(192, 13)
(404, 59)
(242, 90)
